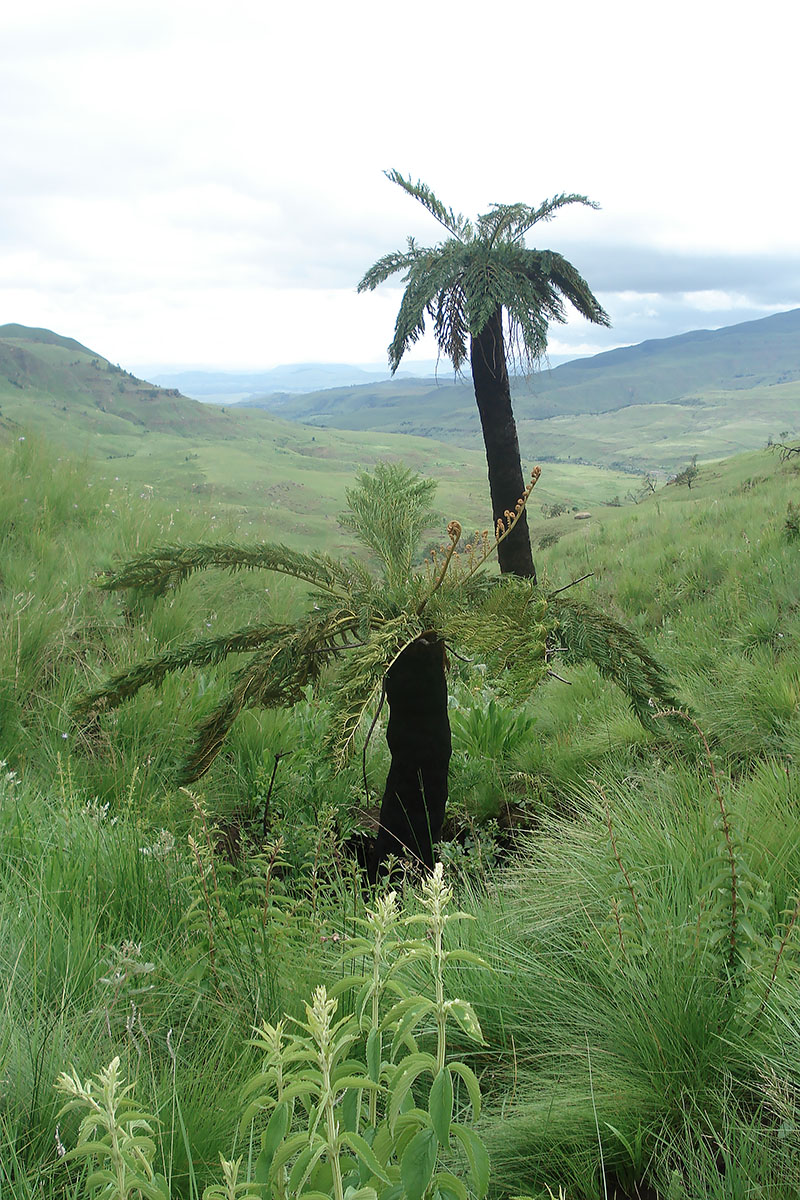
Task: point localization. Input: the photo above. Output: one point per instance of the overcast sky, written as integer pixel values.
(193, 183)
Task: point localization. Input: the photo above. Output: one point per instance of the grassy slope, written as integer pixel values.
(707, 576)
(647, 407)
(280, 472)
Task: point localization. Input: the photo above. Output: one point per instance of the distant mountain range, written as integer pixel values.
(710, 392)
(647, 407)
(230, 387)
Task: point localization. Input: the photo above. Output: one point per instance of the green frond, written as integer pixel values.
(568, 282)
(504, 628)
(512, 221)
(388, 511)
(169, 566)
(619, 655)
(389, 265)
(453, 222)
(272, 678)
(152, 671)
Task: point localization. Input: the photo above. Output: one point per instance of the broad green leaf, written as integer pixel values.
(304, 1164)
(404, 1077)
(357, 1081)
(473, 1087)
(466, 956)
(418, 1162)
(477, 1157)
(345, 984)
(276, 1130)
(362, 1193)
(450, 1188)
(350, 1108)
(291, 1146)
(465, 1015)
(365, 1152)
(440, 1106)
(374, 1055)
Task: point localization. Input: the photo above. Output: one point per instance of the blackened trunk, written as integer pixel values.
(506, 482)
(418, 733)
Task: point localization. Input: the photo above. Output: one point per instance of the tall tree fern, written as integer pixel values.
(485, 292)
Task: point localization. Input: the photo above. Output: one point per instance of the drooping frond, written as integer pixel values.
(437, 269)
(389, 265)
(168, 566)
(152, 671)
(274, 677)
(453, 222)
(619, 655)
(388, 511)
(565, 280)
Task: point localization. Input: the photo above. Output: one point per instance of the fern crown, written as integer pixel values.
(481, 268)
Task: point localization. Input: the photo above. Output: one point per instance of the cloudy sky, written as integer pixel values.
(196, 183)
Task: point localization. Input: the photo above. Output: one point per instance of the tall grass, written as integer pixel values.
(629, 1039)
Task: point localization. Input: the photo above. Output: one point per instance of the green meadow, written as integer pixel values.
(624, 990)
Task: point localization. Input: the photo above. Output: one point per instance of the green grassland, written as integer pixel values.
(641, 408)
(167, 445)
(634, 895)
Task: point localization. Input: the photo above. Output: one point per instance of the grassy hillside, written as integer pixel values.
(640, 1017)
(176, 449)
(646, 407)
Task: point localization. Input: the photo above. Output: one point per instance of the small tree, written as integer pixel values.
(689, 473)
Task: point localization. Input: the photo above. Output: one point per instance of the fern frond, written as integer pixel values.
(272, 678)
(152, 671)
(169, 566)
(512, 221)
(505, 629)
(619, 655)
(389, 265)
(453, 222)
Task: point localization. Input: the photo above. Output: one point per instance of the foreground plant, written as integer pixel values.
(386, 631)
(349, 1106)
(114, 1135)
(354, 1107)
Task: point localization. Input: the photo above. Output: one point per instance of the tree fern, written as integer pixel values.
(482, 287)
(358, 621)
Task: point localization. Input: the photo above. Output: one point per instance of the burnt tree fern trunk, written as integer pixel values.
(418, 734)
(506, 482)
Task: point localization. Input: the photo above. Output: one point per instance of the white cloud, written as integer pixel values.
(179, 177)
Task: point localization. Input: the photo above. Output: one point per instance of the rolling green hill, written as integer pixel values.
(646, 407)
(283, 473)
